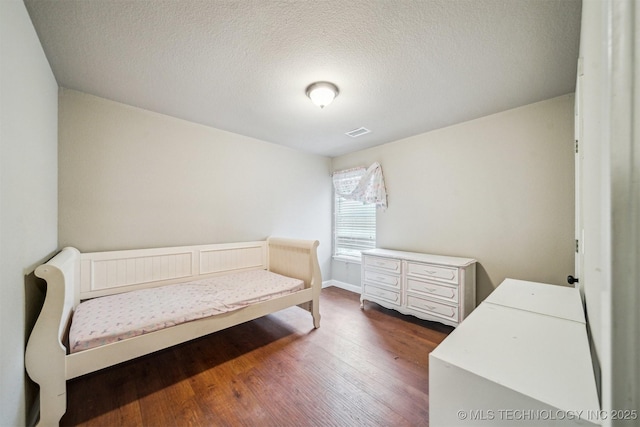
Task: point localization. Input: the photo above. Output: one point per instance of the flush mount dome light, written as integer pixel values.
(322, 93)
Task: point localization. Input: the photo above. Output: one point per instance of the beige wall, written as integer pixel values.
(131, 178)
(499, 189)
(28, 196)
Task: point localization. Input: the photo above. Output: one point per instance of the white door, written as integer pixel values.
(608, 197)
(579, 156)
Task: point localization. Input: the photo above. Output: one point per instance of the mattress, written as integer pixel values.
(114, 318)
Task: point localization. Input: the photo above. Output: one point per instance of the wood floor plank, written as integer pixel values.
(361, 367)
(354, 366)
(146, 378)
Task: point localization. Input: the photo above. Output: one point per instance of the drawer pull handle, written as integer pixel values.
(431, 290)
(430, 307)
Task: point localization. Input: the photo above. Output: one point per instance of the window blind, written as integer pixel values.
(355, 227)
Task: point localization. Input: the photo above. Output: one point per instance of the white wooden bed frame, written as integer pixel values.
(72, 276)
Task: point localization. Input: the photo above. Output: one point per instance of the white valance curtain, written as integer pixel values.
(362, 185)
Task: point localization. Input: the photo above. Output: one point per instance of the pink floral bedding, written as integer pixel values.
(114, 318)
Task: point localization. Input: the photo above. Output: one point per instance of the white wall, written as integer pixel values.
(28, 196)
(131, 178)
(499, 189)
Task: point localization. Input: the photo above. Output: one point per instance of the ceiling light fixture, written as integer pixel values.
(322, 93)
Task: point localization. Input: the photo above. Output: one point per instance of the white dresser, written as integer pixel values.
(430, 287)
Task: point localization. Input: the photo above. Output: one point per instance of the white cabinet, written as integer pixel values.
(431, 287)
(522, 357)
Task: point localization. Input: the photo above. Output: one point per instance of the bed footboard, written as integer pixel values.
(299, 259)
(45, 354)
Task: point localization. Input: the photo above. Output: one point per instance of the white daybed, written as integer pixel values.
(73, 277)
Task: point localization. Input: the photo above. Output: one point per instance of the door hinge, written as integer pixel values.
(577, 245)
(576, 146)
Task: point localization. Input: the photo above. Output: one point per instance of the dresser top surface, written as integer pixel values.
(421, 257)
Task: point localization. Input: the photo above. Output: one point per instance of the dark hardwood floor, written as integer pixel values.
(360, 368)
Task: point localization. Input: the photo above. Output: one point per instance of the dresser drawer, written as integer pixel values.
(437, 272)
(383, 294)
(386, 264)
(431, 307)
(437, 290)
(382, 279)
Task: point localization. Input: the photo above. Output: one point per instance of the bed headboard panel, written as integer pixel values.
(104, 273)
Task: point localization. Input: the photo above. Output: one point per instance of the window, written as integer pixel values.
(354, 228)
(358, 192)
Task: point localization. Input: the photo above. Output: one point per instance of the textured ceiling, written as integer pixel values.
(403, 67)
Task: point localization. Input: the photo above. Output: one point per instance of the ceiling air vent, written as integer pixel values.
(357, 132)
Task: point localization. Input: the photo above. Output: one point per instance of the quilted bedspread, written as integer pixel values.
(108, 319)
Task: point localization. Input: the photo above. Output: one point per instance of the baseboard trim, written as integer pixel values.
(343, 285)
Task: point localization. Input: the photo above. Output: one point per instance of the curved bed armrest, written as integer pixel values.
(45, 353)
